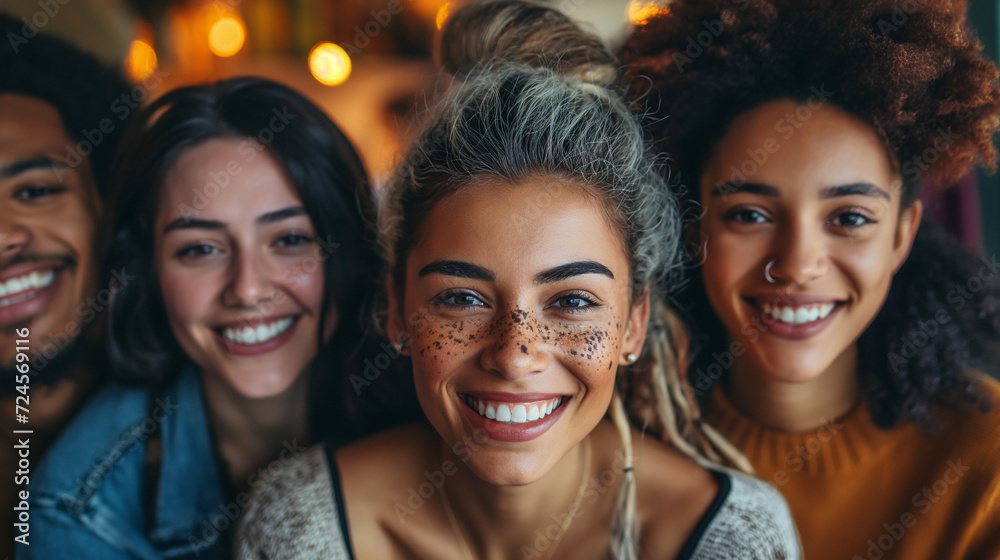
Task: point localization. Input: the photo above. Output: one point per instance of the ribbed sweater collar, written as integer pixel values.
(839, 446)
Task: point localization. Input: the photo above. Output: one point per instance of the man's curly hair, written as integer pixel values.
(913, 71)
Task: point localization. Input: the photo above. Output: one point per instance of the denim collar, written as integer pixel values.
(190, 501)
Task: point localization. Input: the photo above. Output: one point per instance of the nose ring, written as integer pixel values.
(767, 272)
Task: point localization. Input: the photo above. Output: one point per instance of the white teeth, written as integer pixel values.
(34, 280)
(798, 315)
(801, 315)
(513, 413)
(503, 413)
(520, 414)
(260, 334)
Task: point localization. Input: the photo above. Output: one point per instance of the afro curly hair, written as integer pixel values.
(913, 71)
(82, 90)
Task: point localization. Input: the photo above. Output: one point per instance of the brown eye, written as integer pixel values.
(745, 216)
(196, 251)
(852, 220)
(34, 193)
(459, 299)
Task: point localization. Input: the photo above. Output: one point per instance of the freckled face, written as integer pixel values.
(503, 311)
(825, 207)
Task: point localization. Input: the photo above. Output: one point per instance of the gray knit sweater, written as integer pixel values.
(294, 515)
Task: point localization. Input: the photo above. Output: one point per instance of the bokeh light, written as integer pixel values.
(329, 64)
(442, 15)
(227, 36)
(140, 62)
(641, 11)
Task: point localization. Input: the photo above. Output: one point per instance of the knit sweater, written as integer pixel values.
(861, 493)
(297, 514)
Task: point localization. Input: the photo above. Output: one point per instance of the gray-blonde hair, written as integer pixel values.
(537, 96)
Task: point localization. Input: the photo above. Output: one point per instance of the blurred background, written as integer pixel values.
(368, 63)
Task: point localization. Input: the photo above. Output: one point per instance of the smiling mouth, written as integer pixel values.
(513, 413)
(264, 332)
(797, 315)
(22, 288)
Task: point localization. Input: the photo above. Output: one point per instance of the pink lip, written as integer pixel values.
(37, 304)
(512, 433)
(254, 349)
(795, 332)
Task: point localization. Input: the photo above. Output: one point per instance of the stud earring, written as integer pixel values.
(631, 358)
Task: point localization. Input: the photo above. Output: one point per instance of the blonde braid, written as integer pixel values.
(659, 398)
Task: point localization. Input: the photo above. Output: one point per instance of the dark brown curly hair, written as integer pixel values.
(910, 69)
(913, 71)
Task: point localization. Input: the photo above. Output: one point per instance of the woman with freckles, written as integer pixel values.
(523, 235)
(239, 227)
(838, 337)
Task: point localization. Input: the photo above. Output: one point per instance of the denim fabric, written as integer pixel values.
(87, 499)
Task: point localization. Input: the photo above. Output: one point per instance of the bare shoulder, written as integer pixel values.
(674, 493)
(372, 467)
(706, 510)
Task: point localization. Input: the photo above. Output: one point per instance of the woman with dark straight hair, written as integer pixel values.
(242, 261)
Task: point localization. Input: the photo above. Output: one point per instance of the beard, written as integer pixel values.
(45, 372)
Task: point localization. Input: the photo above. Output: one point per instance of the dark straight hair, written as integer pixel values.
(329, 177)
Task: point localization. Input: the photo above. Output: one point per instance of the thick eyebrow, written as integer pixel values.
(459, 269)
(278, 215)
(865, 189)
(731, 187)
(569, 270)
(193, 223)
(269, 218)
(40, 162)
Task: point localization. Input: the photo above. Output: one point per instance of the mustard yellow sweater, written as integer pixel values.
(860, 493)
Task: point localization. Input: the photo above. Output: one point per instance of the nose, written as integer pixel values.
(249, 282)
(516, 350)
(802, 254)
(14, 237)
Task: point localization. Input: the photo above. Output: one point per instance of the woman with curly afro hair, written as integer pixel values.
(837, 340)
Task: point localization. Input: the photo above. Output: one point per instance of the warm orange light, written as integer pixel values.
(140, 62)
(641, 11)
(227, 36)
(442, 15)
(329, 64)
